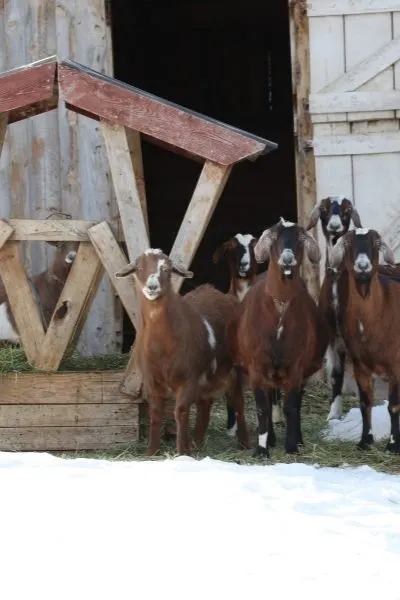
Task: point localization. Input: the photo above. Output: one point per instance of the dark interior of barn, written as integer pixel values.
(228, 61)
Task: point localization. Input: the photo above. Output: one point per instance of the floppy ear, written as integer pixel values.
(222, 250)
(182, 271)
(338, 252)
(387, 253)
(355, 217)
(263, 246)
(312, 248)
(313, 220)
(127, 270)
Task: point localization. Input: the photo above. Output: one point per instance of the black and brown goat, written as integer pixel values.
(281, 337)
(238, 251)
(181, 348)
(46, 288)
(368, 306)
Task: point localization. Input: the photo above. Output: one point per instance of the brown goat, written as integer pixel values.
(281, 336)
(46, 287)
(181, 348)
(369, 312)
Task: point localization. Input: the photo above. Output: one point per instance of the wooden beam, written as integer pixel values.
(126, 189)
(71, 308)
(113, 260)
(367, 69)
(135, 149)
(209, 188)
(28, 85)
(3, 129)
(325, 8)
(23, 305)
(20, 114)
(363, 143)
(344, 102)
(67, 415)
(305, 162)
(62, 230)
(5, 232)
(131, 107)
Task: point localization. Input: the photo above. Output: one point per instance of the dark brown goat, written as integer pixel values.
(281, 337)
(181, 348)
(46, 287)
(369, 311)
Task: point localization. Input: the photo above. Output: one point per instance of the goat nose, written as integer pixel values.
(152, 285)
(287, 259)
(335, 225)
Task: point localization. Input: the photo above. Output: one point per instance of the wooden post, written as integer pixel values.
(3, 129)
(305, 162)
(135, 149)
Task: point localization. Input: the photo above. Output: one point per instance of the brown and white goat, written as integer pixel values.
(335, 214)
(239, 253)
(281, 337)
(182, 348)
(46, 287)
(369, 311)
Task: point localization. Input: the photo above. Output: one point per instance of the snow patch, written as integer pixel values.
(349, 427)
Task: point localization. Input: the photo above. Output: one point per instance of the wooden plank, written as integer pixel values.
(5, 233)
(44, 106)
(3, 129)
(113, 260)
(68, 387)
(209, 188)
(27, 85)
(135, 149)
(126, 189)
(354, 101)
(67, 415)
(324, 8)
(34, 439)
(396, 65)
(128, 106)
(23, 305)
(368, 68)
(342, 145)
(79, 289)
(63, 230)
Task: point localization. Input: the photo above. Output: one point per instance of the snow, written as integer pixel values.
(93, 529)
(348, 428)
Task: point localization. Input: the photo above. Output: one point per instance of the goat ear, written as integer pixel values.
(337, 254)
(312, 248)
(355, 217)
(313, 220)
(127, 270)
(387, 253)
(182, 271)
(222, 250)
(263, 246)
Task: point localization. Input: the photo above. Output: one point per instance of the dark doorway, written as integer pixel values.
(229, 61)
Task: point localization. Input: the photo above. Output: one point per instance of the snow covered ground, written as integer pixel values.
(350, 425)
(184, 529)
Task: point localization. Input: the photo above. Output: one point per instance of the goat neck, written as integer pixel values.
(279, 288)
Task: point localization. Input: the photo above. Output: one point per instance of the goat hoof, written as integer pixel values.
(393, 445)
(366, 442)
(260, 451)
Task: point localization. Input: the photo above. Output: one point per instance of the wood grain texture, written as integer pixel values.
(135, 150)
(3, 129)
(143, 112)
(89, 387)
(58, 439)
(23, 305)
(323, 8)
(77, 295)
(355, 101)
(67, 415)
(27, 85)
(342, 145)
(5, 232)
(113, 260)
(52, 230)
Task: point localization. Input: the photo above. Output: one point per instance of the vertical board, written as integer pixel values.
(396, 66)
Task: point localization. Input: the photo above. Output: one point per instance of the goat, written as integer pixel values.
(239, 253)
(368, 306)
(182, 348)
(46, 287)
(281, 336)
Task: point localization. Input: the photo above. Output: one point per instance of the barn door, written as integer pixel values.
(355, 107)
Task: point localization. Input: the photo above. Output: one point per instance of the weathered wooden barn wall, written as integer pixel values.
(57, 161)
(354, 102)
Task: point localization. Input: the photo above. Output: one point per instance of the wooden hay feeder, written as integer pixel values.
(79, 411)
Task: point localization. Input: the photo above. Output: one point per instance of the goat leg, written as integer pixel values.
(393, 444)
(203, 409)
(265, 426)
(231, 424)
(293, 426)
(299, 436)
(336, 361)
(277, 412)
(156, 411)
(237, 405)
(186, 396)
(365, 391)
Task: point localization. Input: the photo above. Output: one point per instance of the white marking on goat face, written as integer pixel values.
(69, 259)
(210, 334)
(7, 331)
(287, 260)
(245, 241)
(335, 224)
(362, 231)
(153, 251)
(152, 288)
(362, 264)
(262, 440)
(286, 223)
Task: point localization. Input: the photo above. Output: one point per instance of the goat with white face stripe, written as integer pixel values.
(182, 348)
